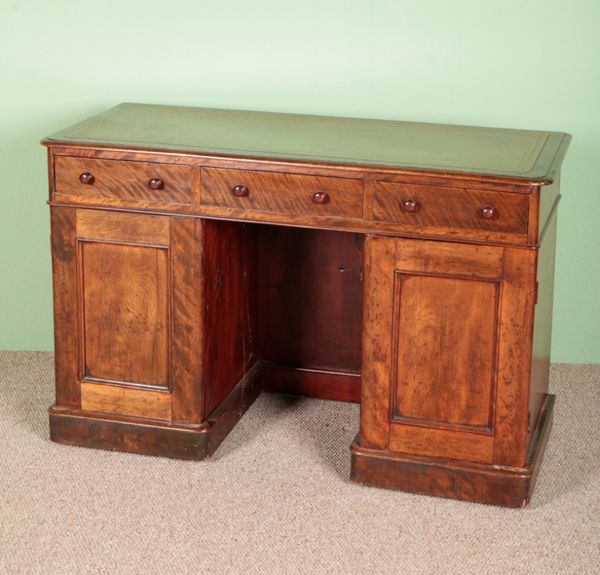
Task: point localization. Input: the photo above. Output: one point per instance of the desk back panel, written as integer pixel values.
(310, 301)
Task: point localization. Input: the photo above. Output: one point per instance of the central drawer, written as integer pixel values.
(282, 193)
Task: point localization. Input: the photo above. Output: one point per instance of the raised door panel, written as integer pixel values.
(446, 349)
(125, 313)
(444, 356)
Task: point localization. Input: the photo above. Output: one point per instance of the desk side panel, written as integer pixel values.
(229, 275)
(542, 327)
(66, 332)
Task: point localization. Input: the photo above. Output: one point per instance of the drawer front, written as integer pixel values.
(282, 193)
(123, 179)
(456, 209)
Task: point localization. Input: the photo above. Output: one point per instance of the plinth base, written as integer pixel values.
(150, 436)
(506, 486)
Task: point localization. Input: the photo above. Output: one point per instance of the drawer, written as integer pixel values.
(282, 193)
(454, 209)
(122, 179)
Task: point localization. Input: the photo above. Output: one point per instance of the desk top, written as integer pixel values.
(521, 154)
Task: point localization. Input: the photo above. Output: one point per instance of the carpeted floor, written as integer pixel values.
(276, 498)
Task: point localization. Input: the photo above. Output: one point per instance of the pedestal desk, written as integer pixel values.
(201, 256)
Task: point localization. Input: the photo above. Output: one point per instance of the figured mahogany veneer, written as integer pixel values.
(435, 209)
(201, 256)
(282, 193)
(90, 178)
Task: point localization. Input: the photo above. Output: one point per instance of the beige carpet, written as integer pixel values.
(276, 498)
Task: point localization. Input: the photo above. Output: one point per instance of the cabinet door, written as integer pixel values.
(127, 291)
(447, 349)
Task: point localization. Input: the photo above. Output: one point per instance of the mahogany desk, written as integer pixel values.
(201, 256)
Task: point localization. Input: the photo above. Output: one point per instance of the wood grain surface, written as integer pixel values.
(133, 309)
(309, 297)
(444, 354)
(444, 207)
(125, 180)
(282, 193)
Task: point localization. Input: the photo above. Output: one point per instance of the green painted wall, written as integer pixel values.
(510, 63)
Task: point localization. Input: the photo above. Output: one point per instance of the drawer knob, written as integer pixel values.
(488, 212)
(156, 184)
(321, 198)
(86, 178)
(240, 191)
(410, 206)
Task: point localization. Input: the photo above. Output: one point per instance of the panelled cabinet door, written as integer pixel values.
(446, 349)
(133, 330)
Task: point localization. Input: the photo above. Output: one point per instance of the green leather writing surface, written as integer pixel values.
(514, 153)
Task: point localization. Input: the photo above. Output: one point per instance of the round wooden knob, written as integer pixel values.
(156, 184)
(240, 191)
(86, 178)
(488, 212)
(321, 198)
(410, 206)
